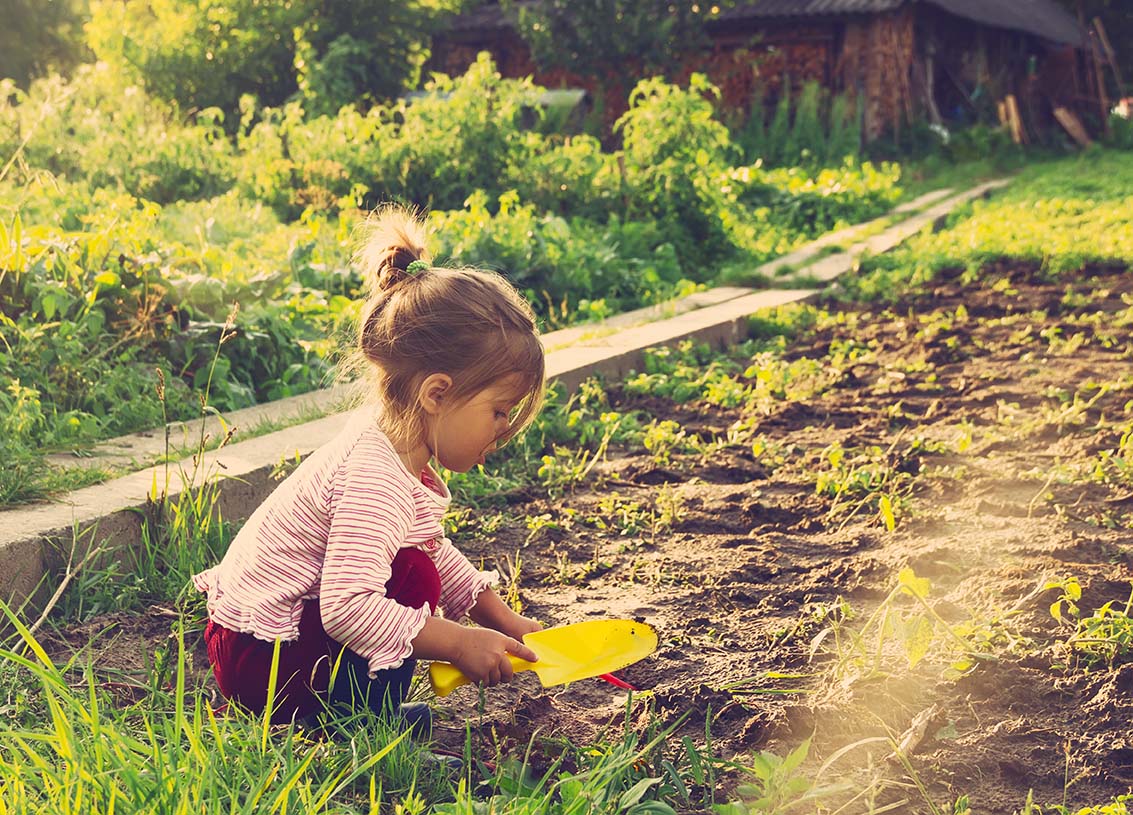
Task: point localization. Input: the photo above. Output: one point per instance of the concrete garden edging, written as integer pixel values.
(37, 542)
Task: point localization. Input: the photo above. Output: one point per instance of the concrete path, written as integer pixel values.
(36, 542)
(138, 450)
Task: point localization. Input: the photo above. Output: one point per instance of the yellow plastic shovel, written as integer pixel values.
(568, 653)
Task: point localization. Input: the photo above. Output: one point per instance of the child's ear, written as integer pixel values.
(433, 392)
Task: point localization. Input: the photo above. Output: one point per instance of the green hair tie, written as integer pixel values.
(417, 266)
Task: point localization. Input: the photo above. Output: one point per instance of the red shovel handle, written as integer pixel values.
(613, 680)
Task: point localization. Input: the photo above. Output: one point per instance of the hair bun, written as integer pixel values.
(395, 267)
(394, 240)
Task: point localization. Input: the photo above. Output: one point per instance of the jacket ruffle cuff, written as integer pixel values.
(480, 582)
(390, 658)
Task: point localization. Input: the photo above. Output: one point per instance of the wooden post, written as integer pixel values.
(1103, 97)
(1018, 133)
(1094, 63)
(1110, 55)
(930, 91)
(1072, 126)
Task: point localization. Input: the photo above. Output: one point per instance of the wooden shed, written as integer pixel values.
(942, 61)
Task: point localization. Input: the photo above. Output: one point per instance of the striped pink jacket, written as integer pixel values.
(331, 531)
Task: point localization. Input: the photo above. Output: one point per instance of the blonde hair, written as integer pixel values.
(467, 323)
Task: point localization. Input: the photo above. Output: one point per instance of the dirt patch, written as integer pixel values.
(733, 586)
(986, 404)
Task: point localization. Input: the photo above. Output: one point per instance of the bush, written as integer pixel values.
(568, 269)
(296, 165)
(461, 135)
(111, 134)
(676, 153)
(573, 177)
(210, 53)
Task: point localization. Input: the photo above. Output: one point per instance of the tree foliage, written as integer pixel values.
(208, 53)
(589, 37)
(39, 36)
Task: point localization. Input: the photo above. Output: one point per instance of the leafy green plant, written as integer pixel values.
(869, 479)
(904, 621)
(620, 514)
(675, 150)
(664, 437)
(570, 270)
(567, 467)
(1106, 635)
(780, 784)
(777, 784)
(686, 372)
(1115, 465)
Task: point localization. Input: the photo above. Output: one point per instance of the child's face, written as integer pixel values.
(468, 432)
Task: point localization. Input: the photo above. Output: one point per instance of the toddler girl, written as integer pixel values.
(346, 563)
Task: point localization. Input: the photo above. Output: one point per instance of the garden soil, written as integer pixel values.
(983, 421)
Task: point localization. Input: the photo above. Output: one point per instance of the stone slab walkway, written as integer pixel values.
(37, 541)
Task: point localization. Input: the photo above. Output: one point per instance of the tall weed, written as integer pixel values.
(675, 153)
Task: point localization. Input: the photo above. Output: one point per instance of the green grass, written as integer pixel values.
(1059, 215)
(68, 746)
(926, 175)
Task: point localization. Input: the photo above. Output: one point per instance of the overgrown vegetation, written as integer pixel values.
(128, 230)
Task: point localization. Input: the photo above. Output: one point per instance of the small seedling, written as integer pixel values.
(867, 479)
(511, 570)
(1104, 636)
(663, 438)
(537, 524)
(569, 467)
(861, 653)
(1115, 466)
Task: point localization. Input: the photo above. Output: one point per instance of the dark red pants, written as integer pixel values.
(242, 663)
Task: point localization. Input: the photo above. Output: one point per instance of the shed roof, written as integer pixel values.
(1042, 18)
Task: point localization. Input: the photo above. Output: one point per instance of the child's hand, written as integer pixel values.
(523, 625)
(483, 655)
(491, 612)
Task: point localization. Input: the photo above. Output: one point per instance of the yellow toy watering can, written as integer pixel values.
(568, 653)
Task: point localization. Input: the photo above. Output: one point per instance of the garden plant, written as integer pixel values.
(884, 540)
